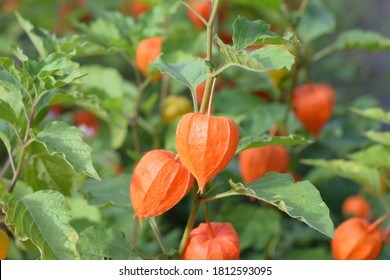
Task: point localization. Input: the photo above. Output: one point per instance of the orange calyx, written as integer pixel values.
(356, 239)
(159, 182)
(224, 245)
(357, 206)
(313, 105)
(254, 163)
(206, 144)
(147, 51)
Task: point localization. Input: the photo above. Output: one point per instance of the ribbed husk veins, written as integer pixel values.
(313, 105)
(354, 241)
(223, 244)
(254, 163)
(159, 182)
(206, 144)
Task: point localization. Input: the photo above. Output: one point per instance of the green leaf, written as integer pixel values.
(15, 80)
(57, 70)
(105, 32)
(190, 42)
(190, 73)
(108, 84)
(42, 217)
(77, 96)
(355, 171)
(356, 39)
(100, 243)
(268, 140)
(59, 138)
(106, 79)
(7, 114)
(261, 60)
(6, 135)
(316, 21)
(247, 33)
(130, 96)
(45, 171)
(35, 39)
(83, 46)
(300, 200)
(152, 22)
(375, 113)
(118, 124)
(12, 107)
(114, 192)
(83, 213)
(361, 40)
(376, 156)
(53, 172)
(379, 137)
(18, 52)
(252, 115)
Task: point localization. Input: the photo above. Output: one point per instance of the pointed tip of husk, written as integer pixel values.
(139, 218)
(201, 185)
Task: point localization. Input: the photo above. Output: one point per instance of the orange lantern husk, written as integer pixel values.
(159, 182)
(313, 105)
(355, 239)
(139, 8)
(357, 206)
(206, 144)
(254, 163)
(222, 244)
(147, 51)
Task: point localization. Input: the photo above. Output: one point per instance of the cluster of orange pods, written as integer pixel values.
(205, 145)
(356, 238)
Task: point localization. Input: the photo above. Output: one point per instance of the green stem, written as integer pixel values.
(218, 196)
(211, 231)
(322, 53)
(157, 234)
(134, 121)
(18, 169)
(220, 70)
(26, 143)
(210, 106)
(11, 161)
(209, 57)
(135, 135)
(146, 126)
(194, 101)
(191, 220)
(195, 12)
